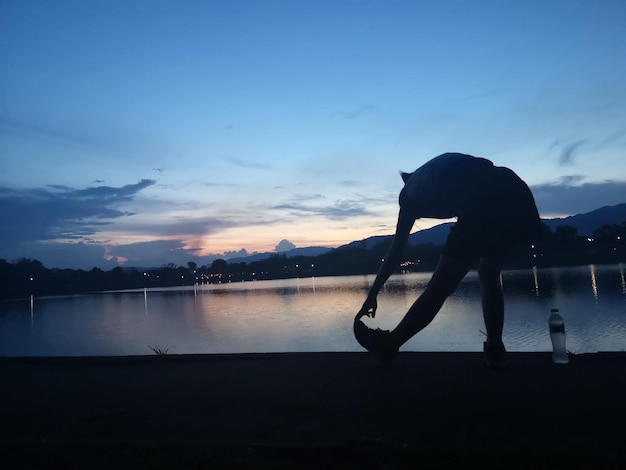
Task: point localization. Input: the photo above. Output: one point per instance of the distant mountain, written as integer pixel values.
(590, 221)
(585, 224)
(366, 243)
(308, 251)
(436, 235)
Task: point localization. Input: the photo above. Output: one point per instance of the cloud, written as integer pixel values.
(302, 204)
(66, 227)
(181, 226)
(248, 164)
(284, 245)
(617, 138)
(67, 255)
(565, 198)
(156, 253)
(340, 210)
(211, 184)
(569, 180)
(36, 131)
(234, 254)
(56, 211)
(567, 152)
(152, 253)
(160, 219)
(308, 197)
(355, 113)
(100, 135)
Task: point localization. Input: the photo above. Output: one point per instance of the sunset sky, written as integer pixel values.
(145, 132)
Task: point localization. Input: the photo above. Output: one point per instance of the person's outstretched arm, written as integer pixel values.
(391, 261)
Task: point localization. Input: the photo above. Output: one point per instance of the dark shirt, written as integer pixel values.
(444, 186)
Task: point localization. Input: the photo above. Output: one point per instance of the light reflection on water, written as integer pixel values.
(315, 314)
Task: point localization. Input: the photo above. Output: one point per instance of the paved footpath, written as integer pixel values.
(343, 410)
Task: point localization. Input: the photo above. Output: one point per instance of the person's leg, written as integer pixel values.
(446, 278)
(385, 344)
(489, 273)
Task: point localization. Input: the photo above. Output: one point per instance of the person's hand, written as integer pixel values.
(368, 309)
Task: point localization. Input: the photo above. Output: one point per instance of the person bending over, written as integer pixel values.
(495, 210)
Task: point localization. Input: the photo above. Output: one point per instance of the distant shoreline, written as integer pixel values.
(191, 286)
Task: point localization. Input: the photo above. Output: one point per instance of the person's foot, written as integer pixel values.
(495, 354)
(376, 341)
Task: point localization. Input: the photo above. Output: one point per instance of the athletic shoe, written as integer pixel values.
(495, 354)
(377, 342)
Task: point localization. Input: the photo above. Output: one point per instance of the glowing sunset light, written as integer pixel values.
(144, 133)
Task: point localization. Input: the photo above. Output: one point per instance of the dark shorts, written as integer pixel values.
(500, 214)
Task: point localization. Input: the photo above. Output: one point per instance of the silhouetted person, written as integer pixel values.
(495, 210)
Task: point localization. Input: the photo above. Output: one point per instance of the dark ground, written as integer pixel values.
(313, 410)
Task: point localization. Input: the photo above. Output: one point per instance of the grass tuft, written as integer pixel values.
(158, 350)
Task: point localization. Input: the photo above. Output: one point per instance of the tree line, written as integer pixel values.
(563, 247)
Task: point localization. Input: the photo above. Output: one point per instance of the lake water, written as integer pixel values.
(315, 314)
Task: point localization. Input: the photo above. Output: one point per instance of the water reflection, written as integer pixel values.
(536, 281)
(315, 314)
(594, 282)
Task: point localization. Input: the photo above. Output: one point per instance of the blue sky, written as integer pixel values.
(146, 132)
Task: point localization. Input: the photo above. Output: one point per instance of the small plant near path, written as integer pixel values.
(158, 350)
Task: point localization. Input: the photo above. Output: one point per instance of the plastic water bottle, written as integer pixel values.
(557, 336)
